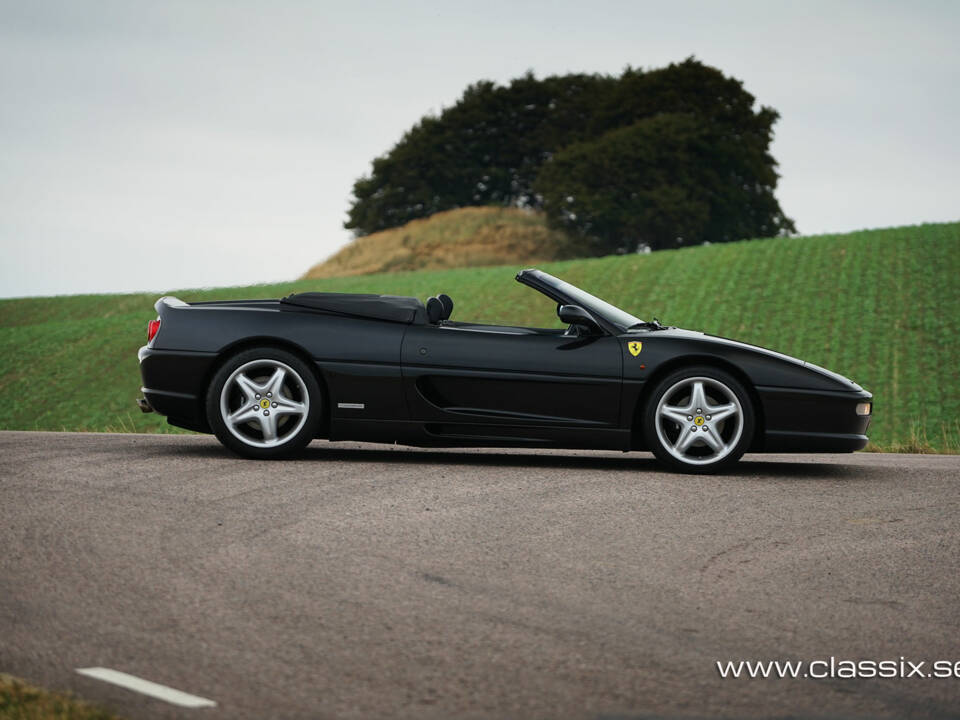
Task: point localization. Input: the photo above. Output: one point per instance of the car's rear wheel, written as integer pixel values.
(699, 420)
(264, 403)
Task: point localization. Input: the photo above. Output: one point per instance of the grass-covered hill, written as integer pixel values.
(467, 237)
(879, 306)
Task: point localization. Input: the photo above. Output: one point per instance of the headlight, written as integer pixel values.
(864, 408)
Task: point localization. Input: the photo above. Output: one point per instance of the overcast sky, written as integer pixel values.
(162, 145)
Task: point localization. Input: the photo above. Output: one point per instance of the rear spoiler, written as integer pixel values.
(169, 301)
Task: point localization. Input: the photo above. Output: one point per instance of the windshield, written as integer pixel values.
(611, 313)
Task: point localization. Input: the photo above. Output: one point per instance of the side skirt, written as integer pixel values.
(420, 434)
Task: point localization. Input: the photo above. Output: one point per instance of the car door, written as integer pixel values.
(511, 376)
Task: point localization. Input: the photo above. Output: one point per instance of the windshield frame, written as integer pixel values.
(613, 319)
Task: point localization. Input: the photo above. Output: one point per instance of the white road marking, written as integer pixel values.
(161, 692)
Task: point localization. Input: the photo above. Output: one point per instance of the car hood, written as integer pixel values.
(722, 342)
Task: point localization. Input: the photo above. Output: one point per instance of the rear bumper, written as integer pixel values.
(174, 384)
(799, 421)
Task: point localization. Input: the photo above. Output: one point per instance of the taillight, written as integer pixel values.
(152, 327)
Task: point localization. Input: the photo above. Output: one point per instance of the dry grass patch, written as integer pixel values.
(467, 237)
(21, 701)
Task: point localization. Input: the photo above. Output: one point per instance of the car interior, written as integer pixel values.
(440, 308)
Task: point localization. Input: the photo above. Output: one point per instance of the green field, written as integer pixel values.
(880, 306)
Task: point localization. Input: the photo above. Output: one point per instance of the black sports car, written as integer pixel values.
(268, 376)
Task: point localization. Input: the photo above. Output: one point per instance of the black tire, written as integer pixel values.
(249, 374)
(664, 435)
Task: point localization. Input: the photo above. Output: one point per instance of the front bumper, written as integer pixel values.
(812, 442)
(800, 421)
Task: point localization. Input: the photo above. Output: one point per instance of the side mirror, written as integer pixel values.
(576, 315)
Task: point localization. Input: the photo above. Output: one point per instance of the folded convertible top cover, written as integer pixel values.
(394, 308)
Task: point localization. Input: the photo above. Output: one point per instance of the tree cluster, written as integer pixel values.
(661, 158)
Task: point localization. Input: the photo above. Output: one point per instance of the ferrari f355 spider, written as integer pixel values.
(268, 376)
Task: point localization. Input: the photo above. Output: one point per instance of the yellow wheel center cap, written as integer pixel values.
(264, 403)
(698, 420)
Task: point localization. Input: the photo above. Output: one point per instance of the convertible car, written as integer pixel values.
(268, 376)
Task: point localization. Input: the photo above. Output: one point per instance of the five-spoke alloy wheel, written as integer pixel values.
(699, 419)
(264, 403)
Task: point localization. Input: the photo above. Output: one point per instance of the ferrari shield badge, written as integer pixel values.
(634, 347)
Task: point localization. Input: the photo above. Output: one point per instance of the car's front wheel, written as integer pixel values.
(264, 403)
(699, 420)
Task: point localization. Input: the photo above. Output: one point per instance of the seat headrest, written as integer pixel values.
(434, 311)
(447, 303)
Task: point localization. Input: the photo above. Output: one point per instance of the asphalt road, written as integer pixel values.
(375, 581)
